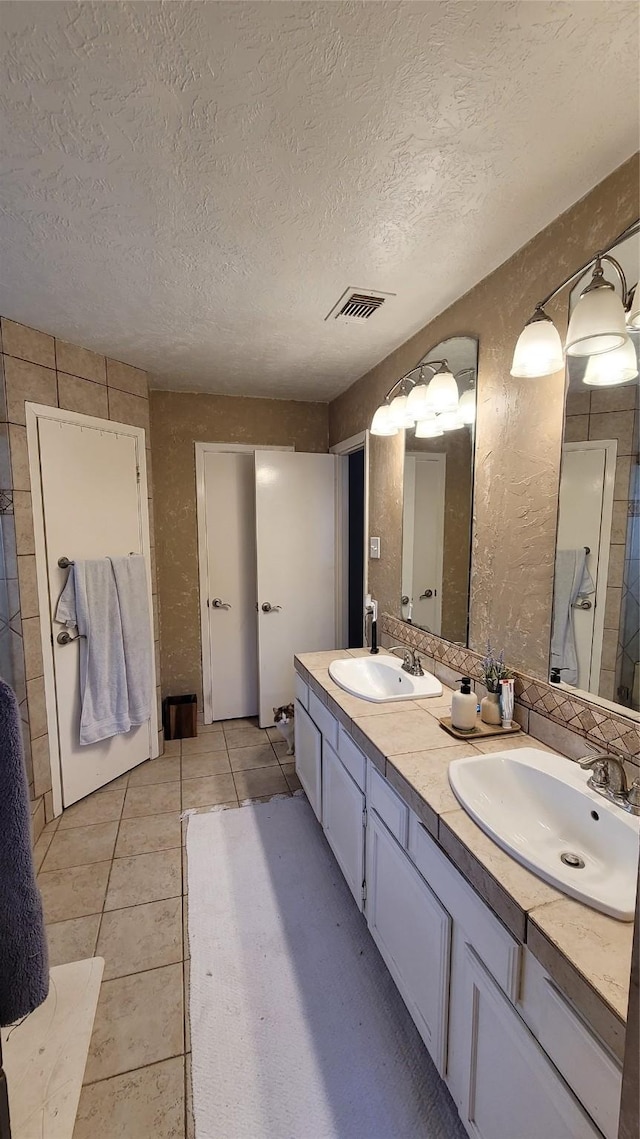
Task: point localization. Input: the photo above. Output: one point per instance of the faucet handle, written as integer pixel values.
(600, 766)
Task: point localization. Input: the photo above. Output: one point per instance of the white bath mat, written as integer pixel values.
(297, 1029)
(46, 1053)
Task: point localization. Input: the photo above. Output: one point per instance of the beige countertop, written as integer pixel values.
(587, 953)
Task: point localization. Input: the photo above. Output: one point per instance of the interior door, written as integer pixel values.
(582, 522)
(92, 508)
(428, 539)
(231, 577)
(295, 538)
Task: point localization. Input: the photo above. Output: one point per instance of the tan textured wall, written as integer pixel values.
(519, 431)
(178, 420)
(39, 368)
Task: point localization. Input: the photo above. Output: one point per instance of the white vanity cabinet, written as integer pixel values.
(343, 817)
(518, 1060)
(309, 757)
(512, 1088)
(412, 931)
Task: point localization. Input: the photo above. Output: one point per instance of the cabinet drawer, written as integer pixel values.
(495, 946)
(586, 1065)
(323, 719)
(352, 758)
(302, 691)
(389, 806)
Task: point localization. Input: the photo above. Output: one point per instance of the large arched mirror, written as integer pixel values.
(438, 491)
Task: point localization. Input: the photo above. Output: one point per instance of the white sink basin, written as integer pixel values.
(537, 806)
(379, 678)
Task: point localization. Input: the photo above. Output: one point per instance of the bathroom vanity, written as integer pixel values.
(519, 993)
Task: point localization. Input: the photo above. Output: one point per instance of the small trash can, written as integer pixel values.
(180, 717)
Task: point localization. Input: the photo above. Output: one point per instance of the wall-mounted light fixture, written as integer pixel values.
(600, 324)
(433, 407)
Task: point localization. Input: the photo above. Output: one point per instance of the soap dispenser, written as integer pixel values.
(464, 707)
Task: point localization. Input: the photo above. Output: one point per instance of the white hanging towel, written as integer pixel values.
(89, 603)
(573, 581)
(131, 584)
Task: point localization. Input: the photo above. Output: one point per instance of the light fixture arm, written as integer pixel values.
(630, 231)
(434, 364)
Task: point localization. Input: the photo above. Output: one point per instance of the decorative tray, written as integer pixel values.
(481, 730)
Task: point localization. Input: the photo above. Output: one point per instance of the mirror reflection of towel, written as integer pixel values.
(572, 582)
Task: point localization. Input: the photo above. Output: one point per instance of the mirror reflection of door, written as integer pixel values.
(437, 505)
(423, 549)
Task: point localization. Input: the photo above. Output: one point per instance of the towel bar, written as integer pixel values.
(64, 563)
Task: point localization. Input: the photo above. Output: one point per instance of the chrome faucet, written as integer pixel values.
(410, 660)
(620, 793)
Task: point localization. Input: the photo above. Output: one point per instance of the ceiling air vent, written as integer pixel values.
(357, 306)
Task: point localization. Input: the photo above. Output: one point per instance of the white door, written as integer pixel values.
(92, 507)
(343, 819)
(295, 537)
(513, 1089)
(229, 609)
(309, 758)
(584, 519)
(413, 933)
(423, 538)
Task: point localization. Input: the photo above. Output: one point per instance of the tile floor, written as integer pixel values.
(112, 871)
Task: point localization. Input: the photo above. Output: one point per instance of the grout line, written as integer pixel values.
(131, 1071)
(113, 858)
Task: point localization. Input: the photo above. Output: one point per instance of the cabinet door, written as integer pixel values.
(513, 1088)
(412, 931)
(343, 820)
(309, 758)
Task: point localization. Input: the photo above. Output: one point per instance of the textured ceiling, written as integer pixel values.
(191, 186)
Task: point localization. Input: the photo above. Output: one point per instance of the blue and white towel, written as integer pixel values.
(111, 615)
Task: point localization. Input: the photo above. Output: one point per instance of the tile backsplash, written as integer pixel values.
(550, 713)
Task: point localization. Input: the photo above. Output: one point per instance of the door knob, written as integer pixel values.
(267, 607)
(217, 603)
(427, 593)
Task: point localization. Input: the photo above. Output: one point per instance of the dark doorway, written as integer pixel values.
(356, 549)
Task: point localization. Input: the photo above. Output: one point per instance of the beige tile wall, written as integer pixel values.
(519, 431)
(40, 368)
(609, 413)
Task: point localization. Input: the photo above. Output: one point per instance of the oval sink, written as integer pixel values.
(538, 808)
(379, 679)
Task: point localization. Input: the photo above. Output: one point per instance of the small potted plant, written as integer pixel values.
(492, 671)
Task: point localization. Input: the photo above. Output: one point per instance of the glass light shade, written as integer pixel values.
(467, 406)
(443, 392)
(450, 420)
(538, 351)
(597, 323)
(610, 368)
(419, 403)
(633, 316)
(398, 413)
(429, 429)
(381, 423)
